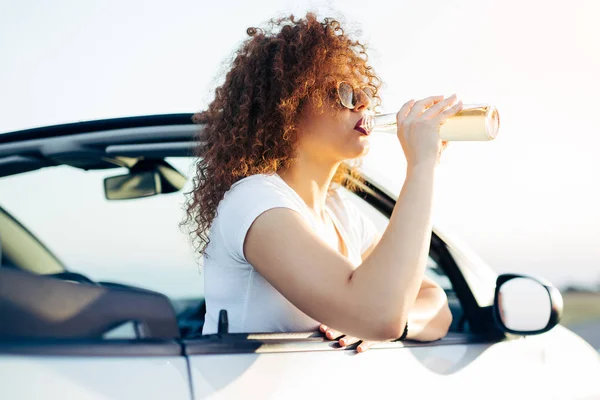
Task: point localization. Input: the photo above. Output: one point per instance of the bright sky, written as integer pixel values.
(526, 202)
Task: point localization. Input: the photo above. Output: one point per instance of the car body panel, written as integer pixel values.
(472, 371)
(570, 363)
(93, 377)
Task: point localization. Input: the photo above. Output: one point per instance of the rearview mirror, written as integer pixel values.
(132, 185)
(526, 306)
(146, 178)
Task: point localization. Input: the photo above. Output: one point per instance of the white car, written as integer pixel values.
(96, 302)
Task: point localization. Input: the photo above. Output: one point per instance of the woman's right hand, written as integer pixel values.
(419, 125)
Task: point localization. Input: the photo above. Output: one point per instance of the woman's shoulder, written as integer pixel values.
(245, 201)
(256, 179)
(258, 184)
(254, 190)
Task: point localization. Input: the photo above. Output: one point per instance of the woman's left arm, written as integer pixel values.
(428, 319)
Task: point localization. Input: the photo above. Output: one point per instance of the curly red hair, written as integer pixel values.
(249, 128)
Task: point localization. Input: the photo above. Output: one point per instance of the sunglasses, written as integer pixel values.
(348, 94)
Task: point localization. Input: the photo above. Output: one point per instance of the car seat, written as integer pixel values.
(37, 306)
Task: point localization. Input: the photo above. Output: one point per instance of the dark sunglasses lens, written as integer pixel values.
(369, 92)
(346, 95)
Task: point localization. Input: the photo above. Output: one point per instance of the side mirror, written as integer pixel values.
(146, 178)
(526, 306)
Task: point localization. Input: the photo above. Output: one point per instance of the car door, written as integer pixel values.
(454, 366)
(472, 361)
(117, 369)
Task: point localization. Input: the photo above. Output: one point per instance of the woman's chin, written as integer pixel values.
(359, 150)
(364, 145)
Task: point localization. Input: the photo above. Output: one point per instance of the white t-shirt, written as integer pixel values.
(232, 284)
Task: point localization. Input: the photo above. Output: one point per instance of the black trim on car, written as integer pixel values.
(480, 319)
(96, 126)
(92, 348)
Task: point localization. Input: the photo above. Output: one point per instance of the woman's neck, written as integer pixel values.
(310, 178)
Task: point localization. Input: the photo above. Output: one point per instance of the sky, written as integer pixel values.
(526, 202)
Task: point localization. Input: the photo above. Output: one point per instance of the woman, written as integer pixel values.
(283, 251)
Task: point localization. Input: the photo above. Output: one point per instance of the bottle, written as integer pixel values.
(475, 122)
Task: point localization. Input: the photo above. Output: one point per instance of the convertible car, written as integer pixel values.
(101, 293)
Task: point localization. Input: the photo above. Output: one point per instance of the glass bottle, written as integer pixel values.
(475, 122)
